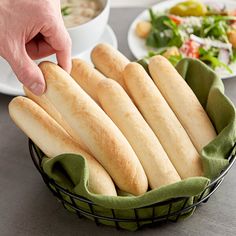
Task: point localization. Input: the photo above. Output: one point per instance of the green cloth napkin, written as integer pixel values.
(71, 171)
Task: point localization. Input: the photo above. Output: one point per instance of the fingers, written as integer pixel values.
(61, 42)
(58, 38)
(64, 59)
(27, 72)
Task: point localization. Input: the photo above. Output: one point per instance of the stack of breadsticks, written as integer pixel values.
(134, 131)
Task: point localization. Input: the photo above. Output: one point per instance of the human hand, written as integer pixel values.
(29, 30)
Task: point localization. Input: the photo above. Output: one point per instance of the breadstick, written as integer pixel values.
(119, 107)
(109, 61)
(163, 121)
(104, 140)
(47, 134)
(86, 76)
(43, 102)
(182, 101)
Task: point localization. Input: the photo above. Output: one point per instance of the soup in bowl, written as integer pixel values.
(85, 21)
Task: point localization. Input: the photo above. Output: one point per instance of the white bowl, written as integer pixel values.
(86, 35)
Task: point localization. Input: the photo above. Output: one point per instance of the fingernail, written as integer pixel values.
(37, 88)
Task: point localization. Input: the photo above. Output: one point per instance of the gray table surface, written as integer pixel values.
(28, 208)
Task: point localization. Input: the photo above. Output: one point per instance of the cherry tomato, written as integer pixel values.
(232, 13)
(190, 49)
(233, 25)
(178, 20)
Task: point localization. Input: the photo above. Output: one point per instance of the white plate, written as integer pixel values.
(137, 45)
(11, 86)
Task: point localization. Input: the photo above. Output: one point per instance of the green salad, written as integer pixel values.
(192, 29)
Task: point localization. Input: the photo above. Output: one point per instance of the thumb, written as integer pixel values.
(27, 72)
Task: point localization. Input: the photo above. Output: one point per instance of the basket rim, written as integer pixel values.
(170, 216)
(215, 183)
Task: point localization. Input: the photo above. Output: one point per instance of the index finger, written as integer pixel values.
(58, 38)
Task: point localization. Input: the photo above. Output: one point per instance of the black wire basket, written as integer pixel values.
(138, 220)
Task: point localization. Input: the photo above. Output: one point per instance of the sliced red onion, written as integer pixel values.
(211, 42)
(224, 56)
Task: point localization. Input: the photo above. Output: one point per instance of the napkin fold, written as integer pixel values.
(71, 171)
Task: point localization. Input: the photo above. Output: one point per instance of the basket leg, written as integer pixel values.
(169, 211)
(136, 217)
(183, 206)
(92, 211)
(114, 216)
(60, 197)
(75, 205)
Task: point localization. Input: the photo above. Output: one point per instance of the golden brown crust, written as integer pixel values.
(119, 107)
(98, 132)
(86, 76)
(47, 134)
(182, 101)
(163, 121)
(109, 61)
(44, 103)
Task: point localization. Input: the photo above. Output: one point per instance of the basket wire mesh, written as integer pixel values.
(171, 216)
